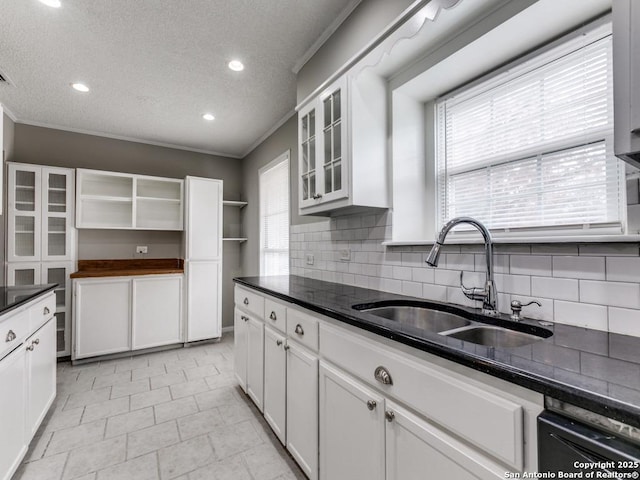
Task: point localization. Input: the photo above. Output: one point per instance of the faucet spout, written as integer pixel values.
(488, 295)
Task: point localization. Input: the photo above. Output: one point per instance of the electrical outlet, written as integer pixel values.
(310, 259)
(142, 249)
(345, 255)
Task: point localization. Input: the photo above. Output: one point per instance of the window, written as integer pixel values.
(532, 148)
(274, 217)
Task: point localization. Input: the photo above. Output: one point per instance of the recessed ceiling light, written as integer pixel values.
(80, 87)
(51, 3)
(236, 65)
(208, 116)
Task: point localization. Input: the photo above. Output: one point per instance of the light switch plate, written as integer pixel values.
(142, 249)
(345, 255)
(310, 258)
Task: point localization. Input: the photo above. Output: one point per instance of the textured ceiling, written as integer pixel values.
(155, 66)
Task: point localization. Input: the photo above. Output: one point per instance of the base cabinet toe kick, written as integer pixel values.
(348, 404)
(27, 376)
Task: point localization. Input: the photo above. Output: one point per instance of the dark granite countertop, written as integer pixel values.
(594, 370)
(14, 297)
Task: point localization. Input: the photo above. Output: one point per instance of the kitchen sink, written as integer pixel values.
(420, 317)
(491, 336)
(428, 317)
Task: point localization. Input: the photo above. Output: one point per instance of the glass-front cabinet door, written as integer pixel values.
(24, 213)
(323, 152)
(57, 213)
(334, 138)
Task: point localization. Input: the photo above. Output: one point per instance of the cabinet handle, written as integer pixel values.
(46, 311)
(11, 336)
(273, 316)
(371, 404)
(317, 196)
(389, 415)
(246, 319)
(383, 376)
(299, 329)
(278, 342)
(246, 301)
(287, 347)
(36, 341)
(31, 347)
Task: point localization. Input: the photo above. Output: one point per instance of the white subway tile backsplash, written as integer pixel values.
(556, 288)
(539, 265)
(623, 269)
(615, 294)
(596, 286)
(590, 268)
(581, 314)
(624, 321)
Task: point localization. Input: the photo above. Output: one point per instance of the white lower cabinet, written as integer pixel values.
(157, 311)
(102, 316)
(275, 382)
(240, 347)
(255, 361)
(119, 314)
(351, 428)
(41, 374)
(302, 408)
(13, 437)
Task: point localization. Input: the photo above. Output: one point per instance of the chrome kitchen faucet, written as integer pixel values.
(488, 294)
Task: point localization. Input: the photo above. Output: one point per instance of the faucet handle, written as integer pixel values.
(474, 293)
(516, 308)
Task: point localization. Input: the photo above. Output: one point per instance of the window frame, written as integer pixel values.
(284, 157)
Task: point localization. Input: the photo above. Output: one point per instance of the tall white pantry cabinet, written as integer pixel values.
(41, 240)
(203, 257)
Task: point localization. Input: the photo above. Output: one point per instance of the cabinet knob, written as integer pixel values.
(278, 342)
(273, 316)
(371, 404)
(317, 196)
(287, 347)
(299, 329)
(11, 336)
(46, 311)
(383, 376)
(246, 301)
(36, 341)
(31, 347)
(389, 415)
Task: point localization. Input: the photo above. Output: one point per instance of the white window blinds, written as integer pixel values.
(532, 148)
(274, 217)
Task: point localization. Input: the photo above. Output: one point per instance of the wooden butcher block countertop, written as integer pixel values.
(122, 268)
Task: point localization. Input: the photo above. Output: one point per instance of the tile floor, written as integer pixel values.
(177, 414)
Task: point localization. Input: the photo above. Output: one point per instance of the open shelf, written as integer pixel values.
(234, 203)
(237, 239)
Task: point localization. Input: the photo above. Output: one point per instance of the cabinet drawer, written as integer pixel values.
(42, 311)
(13, 331)
(275, 315)
(249, 301)
(303, 328)
(489, 421)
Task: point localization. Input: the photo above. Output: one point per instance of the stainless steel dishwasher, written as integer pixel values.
(572, 447)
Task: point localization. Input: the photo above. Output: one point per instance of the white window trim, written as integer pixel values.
(286, 156)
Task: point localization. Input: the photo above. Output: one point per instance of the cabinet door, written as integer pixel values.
(415, 447)
(57, 213)
(275, 382)
(255, 361)
(19, 274)
(240, 347)
(203, 219)
(351, 428)
(308, 148)
(204, 306)
(157, 311)
(41, 377)
(13, 440)
(333, 136)
(302, 408)
(58, 272)
(24, 213)
(102, 316)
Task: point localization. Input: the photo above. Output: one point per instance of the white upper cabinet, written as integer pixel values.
(40, 213)
(203, 230)
(124, 201)
(342, 146)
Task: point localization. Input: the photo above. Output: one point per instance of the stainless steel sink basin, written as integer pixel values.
(493, 336)
(420, 317)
